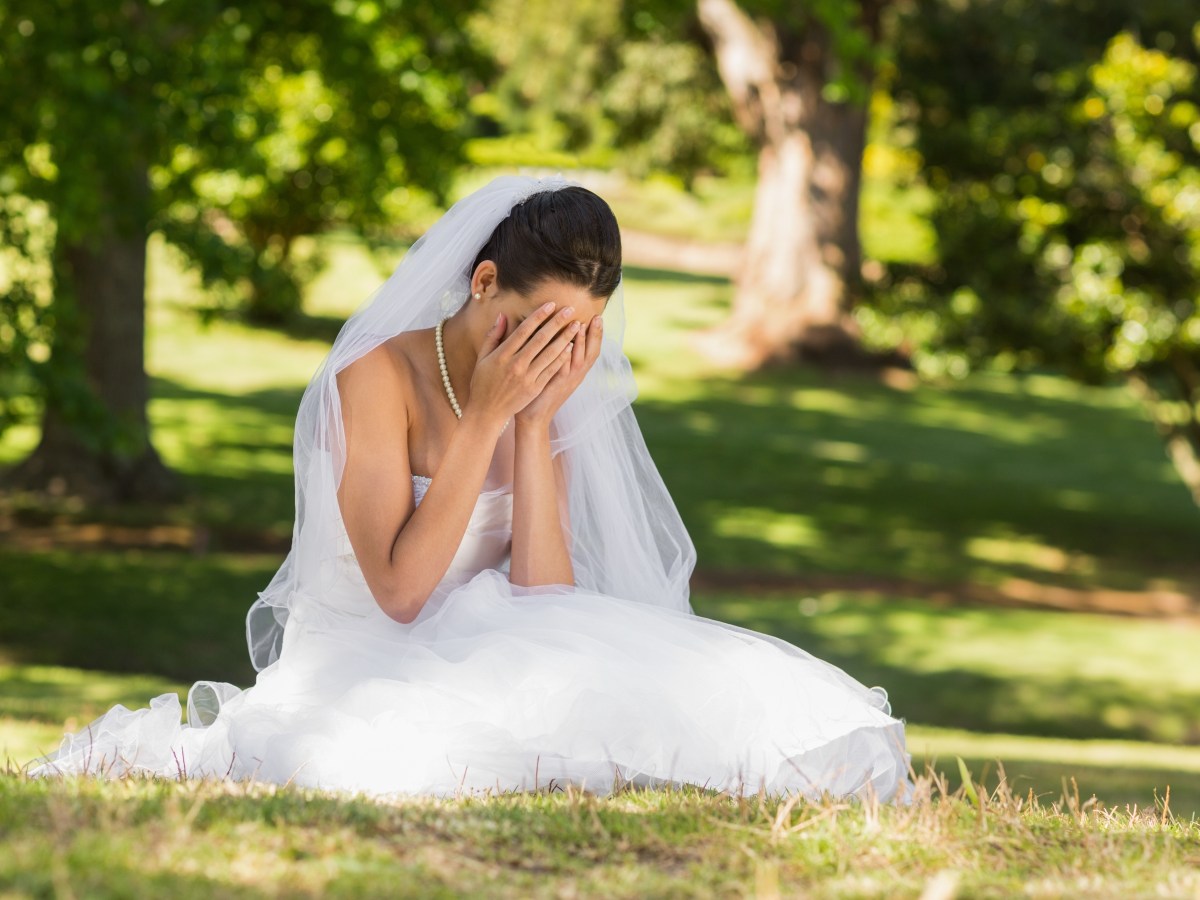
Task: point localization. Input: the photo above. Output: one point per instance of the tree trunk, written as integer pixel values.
(1181, 439)
(95, 434)
(802, 257)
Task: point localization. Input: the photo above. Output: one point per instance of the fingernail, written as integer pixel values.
(568, 311)
(546, 307)
(574, 326)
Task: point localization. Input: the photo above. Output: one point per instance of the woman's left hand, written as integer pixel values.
(584, 351)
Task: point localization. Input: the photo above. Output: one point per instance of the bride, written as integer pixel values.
(487, 588)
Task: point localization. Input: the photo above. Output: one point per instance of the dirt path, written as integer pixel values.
(1013, 593)
(656, 251)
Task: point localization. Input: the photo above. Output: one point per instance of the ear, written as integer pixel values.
(483, 281)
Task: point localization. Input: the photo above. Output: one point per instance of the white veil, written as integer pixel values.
(627, 539)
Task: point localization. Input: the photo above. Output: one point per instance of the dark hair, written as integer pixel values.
(569, 234)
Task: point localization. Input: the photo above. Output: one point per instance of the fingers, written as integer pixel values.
(595, 339)
(554, 368)
(579, 346)
(546, 332)
(555, 347)
(495, 335)
(580, 352)
(523, 332)
(585, 347)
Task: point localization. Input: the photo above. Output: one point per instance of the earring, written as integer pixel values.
(478, 296)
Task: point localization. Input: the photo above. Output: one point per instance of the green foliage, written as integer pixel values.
(1065, 164)
(667, 111)
(605, 75)
(641, 77)
(26, 320)
(233, 128)
(348, 123)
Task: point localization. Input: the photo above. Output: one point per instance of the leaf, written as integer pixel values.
(968, 787)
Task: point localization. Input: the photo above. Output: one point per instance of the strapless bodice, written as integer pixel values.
(486, 544)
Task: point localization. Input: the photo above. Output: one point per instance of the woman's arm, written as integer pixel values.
(539, 547)
(402, 549)
(540, 554)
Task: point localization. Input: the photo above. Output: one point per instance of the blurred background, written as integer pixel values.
(912, 295)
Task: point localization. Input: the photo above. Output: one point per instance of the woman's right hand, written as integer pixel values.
(511, 371)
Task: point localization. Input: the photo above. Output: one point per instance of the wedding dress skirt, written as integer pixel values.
(498, 688)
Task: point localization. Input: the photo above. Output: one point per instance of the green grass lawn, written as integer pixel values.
(839, 513)
(139, 838)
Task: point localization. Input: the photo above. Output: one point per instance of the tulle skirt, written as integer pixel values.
(496, 688)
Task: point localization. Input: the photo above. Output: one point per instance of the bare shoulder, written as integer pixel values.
(383, 373)
(377, 389)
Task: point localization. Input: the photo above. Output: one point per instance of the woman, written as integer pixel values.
(488, 582)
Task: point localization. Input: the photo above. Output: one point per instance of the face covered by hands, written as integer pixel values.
(548, 341)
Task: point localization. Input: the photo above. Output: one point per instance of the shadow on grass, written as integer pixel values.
(798, 472)
(167, 614)
(778, 472)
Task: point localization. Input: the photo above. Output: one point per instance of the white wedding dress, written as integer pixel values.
(498, 688)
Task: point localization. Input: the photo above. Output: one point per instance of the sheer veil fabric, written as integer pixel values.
(492, 686)
(627, 537)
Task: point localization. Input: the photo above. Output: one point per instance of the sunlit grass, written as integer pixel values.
(978, 481)
(143, 838)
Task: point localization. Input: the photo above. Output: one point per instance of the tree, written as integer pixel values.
(1063, 148)
(601, 77)
(231, 128)
(799, 76)
(666, 80)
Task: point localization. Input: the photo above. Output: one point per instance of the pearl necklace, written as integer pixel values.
(441, 355)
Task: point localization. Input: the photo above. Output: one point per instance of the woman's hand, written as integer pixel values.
(511, 372)
(583, 353)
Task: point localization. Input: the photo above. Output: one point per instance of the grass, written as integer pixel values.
(138, 838)
(854, 519)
